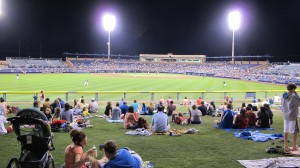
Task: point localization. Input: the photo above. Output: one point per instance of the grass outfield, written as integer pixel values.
(127, 82)
(210, 148)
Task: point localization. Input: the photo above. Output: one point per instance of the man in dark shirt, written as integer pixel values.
(124, 108)
(203, 108)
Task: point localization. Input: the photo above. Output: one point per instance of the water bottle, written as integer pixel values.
(95, 154)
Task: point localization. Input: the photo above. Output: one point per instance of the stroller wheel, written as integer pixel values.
(50, 162)
(13, 163)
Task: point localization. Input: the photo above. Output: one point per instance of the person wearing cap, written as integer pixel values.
(93, 106)
(290, 102)
(118, 158)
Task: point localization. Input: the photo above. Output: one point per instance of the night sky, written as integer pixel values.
(51, 27)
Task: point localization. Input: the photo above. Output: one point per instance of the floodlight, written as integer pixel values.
(234, 20)
(0, 7)
(109, 22)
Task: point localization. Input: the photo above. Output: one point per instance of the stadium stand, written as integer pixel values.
(274, 73)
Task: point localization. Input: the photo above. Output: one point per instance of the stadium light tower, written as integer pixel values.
(0, 7)
(109, 23)
(234, 20)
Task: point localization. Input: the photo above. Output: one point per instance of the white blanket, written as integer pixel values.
(272, 162)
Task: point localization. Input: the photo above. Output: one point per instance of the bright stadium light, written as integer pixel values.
(0, 7)
(109, 23)
(234, 20)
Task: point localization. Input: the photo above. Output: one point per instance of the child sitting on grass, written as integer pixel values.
(86, 113)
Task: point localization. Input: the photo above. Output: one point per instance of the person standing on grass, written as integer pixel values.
(2, 117)
(290, 102)
(86, 82)
(42, 97)
(35, 97)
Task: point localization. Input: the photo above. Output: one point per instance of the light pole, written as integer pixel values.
(109, 23)
(234, 20)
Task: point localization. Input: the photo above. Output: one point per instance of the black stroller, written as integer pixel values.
(34, 134)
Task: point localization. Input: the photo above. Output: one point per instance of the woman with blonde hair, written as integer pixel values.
(151, 108)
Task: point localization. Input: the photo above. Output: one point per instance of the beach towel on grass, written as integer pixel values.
(257, 136)
(272, 162)
(247, 129)
(139, 131)
(114, 121)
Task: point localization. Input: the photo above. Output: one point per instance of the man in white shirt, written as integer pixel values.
(93, 106)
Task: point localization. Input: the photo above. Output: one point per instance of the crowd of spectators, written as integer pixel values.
(274, 73)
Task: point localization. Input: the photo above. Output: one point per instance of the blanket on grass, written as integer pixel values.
(178, 132)
(113, 121)
(272, 162)
(247, 129)
(139, 131)
(257, 136)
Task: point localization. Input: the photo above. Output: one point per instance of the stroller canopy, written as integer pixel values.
(31, 117)
(32, 113)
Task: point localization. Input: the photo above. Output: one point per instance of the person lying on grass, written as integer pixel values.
(180, 119)
(114, 157)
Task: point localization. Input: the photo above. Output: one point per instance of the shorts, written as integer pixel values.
(291, 127)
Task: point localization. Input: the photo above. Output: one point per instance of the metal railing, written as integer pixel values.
(152, 95)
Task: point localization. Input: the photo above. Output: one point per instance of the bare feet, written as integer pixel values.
(295, 148)
(287, 149)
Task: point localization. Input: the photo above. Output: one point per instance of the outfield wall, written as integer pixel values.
(146, 95)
